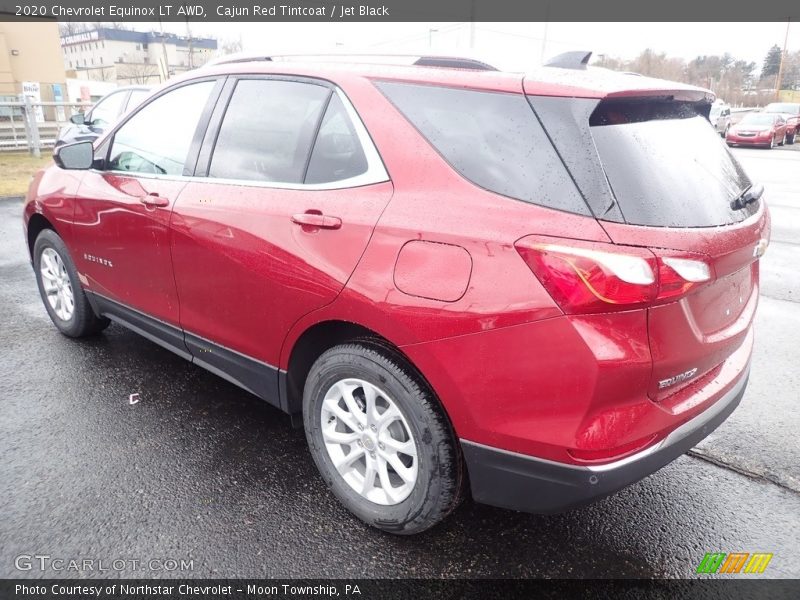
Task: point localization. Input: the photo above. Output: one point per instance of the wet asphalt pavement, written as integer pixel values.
(199, 470)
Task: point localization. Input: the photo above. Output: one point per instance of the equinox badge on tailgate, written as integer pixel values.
(677, 378)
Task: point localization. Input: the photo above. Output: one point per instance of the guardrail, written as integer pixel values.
(24, 126)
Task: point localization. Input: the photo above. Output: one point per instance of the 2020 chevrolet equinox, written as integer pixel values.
(540, 288)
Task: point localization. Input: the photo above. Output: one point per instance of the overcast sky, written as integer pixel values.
(511, 46)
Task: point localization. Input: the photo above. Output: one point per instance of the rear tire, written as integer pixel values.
(60, 288)
(790, 138)
(365, 401)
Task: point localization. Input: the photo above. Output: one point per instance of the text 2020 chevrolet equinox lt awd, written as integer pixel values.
(542, 285)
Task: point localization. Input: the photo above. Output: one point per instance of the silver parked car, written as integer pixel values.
(720, 117)
(88, 127)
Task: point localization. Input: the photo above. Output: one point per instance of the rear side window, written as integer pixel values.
(666, 166)
(267, 131)
(492, 139)
(337, 153)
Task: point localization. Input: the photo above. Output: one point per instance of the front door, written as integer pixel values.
(123, 211)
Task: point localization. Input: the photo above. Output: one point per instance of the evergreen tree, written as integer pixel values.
(772, 62)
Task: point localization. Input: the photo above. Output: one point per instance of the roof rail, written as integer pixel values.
(577, 59)
(236, 57)
(450, 62)
(447, 62)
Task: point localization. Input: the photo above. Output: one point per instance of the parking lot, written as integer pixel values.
(200, 471)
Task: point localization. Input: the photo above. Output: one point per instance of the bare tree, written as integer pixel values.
(103, 74)
(71, 27)
(137, 73)
(231, 45)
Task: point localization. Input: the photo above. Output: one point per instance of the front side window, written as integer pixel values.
(268, 131)
(156, 139)
(137, 97)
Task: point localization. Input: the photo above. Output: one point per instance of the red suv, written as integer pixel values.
(454, 277)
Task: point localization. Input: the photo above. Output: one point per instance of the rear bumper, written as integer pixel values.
(525, 483)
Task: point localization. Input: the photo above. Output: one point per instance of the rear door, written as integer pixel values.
(288, 192)
(676, 187)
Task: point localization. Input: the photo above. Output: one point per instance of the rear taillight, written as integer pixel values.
(591, 277)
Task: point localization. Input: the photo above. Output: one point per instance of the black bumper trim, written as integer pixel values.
(525, 483)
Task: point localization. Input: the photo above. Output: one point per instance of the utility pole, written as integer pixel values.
(544, 37)
(472, 25)
(164, 51)
(780, 66)
(430, 37)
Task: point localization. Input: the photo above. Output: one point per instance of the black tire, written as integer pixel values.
(83, 321)
(440, 478)
(790, 138)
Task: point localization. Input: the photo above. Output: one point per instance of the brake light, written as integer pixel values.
(589, 277)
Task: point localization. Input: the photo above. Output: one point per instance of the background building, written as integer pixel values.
(132, 57)
(31, 62)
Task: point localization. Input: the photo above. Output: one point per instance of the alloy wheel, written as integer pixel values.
(57, 285)
(369, 441)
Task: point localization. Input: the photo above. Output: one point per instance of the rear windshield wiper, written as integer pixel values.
(748, 196)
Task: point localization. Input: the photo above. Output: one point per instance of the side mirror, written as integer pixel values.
(78, 119)
(79, 155)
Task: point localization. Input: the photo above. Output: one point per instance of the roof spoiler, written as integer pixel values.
(576, 59)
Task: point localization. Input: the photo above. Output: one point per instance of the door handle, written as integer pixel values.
(314, 219)
(153, 199)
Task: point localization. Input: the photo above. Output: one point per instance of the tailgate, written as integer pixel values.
(693, 336)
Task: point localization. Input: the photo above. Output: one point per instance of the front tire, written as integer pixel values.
(60, 288)
(380, 439)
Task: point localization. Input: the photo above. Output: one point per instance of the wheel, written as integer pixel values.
(380, 439)
(790, 138)
(60, 288)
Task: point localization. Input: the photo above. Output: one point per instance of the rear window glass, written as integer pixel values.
(666, 166)
(492, 139)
